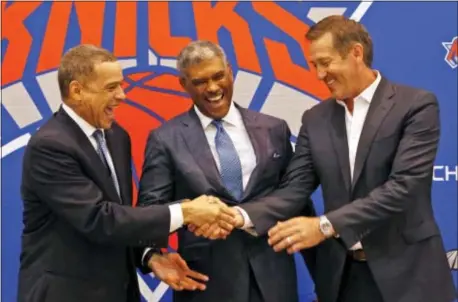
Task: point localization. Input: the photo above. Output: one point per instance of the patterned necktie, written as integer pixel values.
(230, 167)
(102, 150)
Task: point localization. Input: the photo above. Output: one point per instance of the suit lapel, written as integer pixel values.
(119, 163)
(98, 169)
(258, 138)
(379, 107)
(197, 143)
(338, 135)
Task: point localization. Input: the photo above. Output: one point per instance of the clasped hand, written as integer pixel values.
(209, 217)
(295, 234)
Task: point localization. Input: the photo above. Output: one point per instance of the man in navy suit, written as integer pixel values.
(218, 148)
(79, 223)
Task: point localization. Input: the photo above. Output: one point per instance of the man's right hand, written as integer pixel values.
(219, 229)
(206, 210)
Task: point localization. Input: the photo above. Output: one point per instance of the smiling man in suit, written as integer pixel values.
(371, 147)
(218, 148)
(79, 223)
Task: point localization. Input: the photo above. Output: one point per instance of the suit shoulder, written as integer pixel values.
(322, 106)
(50, 132)
(266, 119)
(412, 93)
(169, 127)
(119, 130)
(318, 111)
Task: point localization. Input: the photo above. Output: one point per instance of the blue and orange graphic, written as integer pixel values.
(264, 42)
(451, 57)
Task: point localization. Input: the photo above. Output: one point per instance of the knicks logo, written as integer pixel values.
(264, 42)
(451, 57)
(452, 257)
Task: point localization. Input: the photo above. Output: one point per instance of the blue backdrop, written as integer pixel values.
(415, 44)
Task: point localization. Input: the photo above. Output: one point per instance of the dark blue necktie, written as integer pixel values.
(230, 167)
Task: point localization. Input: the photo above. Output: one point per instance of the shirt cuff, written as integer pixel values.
(144, 253)
(247, 223)
(246, 219)
(176, 217)
(356, 246)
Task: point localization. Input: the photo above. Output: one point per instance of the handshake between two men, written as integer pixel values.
(204, 216)
(209, 217)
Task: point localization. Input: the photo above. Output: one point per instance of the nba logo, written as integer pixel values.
(451, 57)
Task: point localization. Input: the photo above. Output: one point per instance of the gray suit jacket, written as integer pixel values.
(387, 205)
(179, 164)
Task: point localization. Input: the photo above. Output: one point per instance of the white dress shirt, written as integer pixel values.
(176, 214)
(354, 125)
(235, 128)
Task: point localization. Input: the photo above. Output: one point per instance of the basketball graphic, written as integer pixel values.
(264, 43)
(452, 257)
(152, 98)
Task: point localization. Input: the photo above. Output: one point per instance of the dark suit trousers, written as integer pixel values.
(255, 292)
(358, 284)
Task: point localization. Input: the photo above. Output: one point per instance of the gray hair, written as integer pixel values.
(198, 51)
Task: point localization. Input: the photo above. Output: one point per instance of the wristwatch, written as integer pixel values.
(325, 226)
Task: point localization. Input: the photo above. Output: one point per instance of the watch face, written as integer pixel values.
(325, 227)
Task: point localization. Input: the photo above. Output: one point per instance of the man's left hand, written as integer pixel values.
(174, 271)
(296, 234)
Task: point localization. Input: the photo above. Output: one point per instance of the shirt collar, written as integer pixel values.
(232, 117)
(87, 128)
(368, 93)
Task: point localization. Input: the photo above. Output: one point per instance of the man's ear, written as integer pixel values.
(358, 52)
(75, 90)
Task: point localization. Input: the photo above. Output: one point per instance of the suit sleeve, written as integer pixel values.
(285, 138)
(157, 180)
(309, 255)
(60, 182)
(292, 196)
(411, 169)
(156, 187)
(309, 208)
